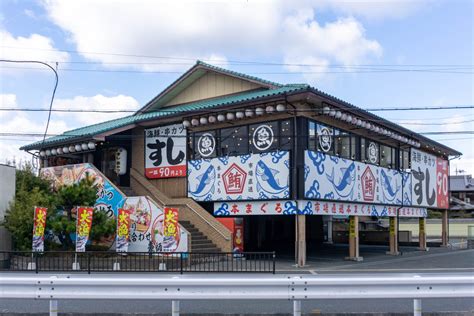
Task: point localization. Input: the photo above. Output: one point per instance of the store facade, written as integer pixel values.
(282, 159)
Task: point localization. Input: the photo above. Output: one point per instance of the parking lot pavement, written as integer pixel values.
(331, 259)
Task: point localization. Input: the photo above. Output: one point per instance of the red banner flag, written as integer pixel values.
(39, 224)
(123, 230)
(83, 227)
(171, 222)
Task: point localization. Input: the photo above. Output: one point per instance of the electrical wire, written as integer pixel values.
(54, 89)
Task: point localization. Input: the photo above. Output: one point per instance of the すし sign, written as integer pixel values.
(171, 222)
(83, 227)
(123, 230)
(39, 224)
(165, 152)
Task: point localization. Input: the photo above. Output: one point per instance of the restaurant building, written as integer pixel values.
(258, 165)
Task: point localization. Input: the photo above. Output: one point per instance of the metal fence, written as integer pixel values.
(101, 261)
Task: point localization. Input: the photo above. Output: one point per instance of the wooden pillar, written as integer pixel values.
(444, 229)
(301, 240)
(354, 239)
(393, 237)
(422, 234)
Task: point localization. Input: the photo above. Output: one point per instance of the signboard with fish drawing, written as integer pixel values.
(246, 177)
(165, 151)
(333, 178)
(430, 180)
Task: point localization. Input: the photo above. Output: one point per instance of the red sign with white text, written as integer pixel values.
(442, 178)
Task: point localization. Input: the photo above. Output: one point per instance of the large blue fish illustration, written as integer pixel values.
(347, 180)
(266, 179)
(206, 182)
(387, 185)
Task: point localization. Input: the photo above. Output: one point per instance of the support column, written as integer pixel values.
(444, 229)
(301, 240)
(422, 234)
(354, 239)
(393, 237)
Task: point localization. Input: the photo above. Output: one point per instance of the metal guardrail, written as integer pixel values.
(235, 287)
(101, 261)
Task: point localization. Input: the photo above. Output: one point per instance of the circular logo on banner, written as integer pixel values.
(325, 139)
(206, 145)
(263, 137)
(373, 153)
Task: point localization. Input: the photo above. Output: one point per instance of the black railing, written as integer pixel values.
(101, 261)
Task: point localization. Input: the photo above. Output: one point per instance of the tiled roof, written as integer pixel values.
(91, 130)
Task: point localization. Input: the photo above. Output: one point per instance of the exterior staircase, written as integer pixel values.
(199, 242)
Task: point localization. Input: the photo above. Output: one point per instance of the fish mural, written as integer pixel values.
(259, 176)
(345, 185)
(266, 180)
(206, 182)
(390, 185)
(333, 178)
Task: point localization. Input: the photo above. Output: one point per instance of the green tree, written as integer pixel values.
(63, 224)
(30, 191)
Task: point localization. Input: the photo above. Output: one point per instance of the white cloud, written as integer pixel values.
(34, 47)
(7, 100)
(273, 30)
(97, 102)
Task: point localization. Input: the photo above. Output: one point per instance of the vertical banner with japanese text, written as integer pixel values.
(83, 227)
(442, 178)
(123, 230)
(165, 152)
(423, 167)
(39, 224)
(171, 222)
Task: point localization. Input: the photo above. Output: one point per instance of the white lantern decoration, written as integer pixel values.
(78, 147)
(359, 123)
(194, 122)
(54, 151)
(281, 107)
(42, 153)
(72, 149)
(91, 145)
(343, 116)
(259, 111)
(368, 126)
(212, 119)
(59, 150)
(248, 112)
(354, 121)
(84, 146)
(349, 118)
(270, 109)
(230, 116)
(332, 112)
(240, 115)
(221, 118)
(203, 120)
(326, 110)
(48, 152)
(338, 114)
(377, 129)
(186, 123)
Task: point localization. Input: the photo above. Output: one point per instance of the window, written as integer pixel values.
(205, 145)
(354, 146)
(342, 144)
(286, 132)
(387, 156)
(312, 136)
(404, 157)
(325, 139)
(234, 141)
(263, 137)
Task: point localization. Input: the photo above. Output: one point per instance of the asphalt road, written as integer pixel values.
(436, 260)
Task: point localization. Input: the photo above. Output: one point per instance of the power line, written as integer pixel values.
(54, 89)
(362, 71)
(239, 62)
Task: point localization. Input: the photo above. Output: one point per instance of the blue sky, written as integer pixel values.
(324, 34)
